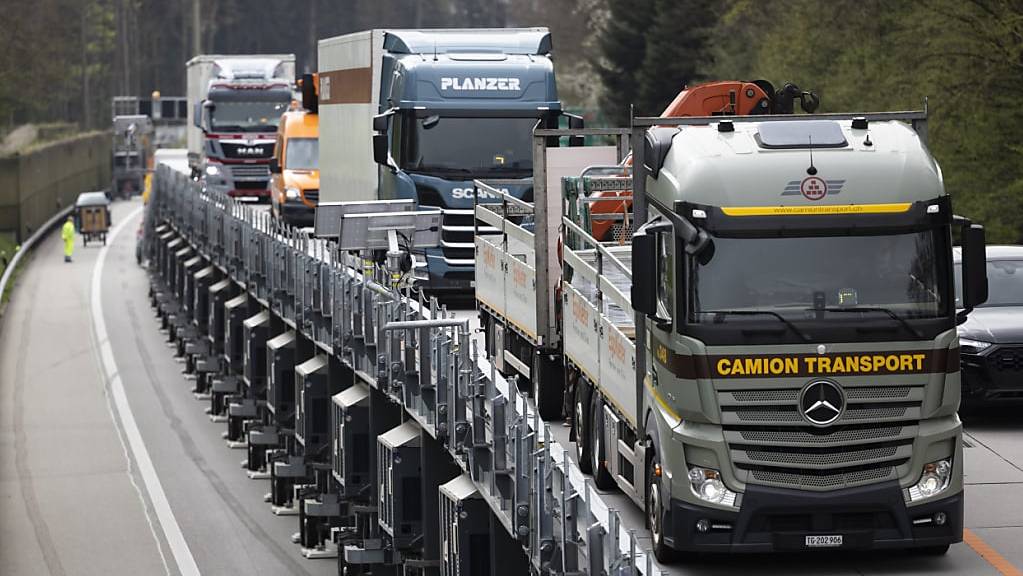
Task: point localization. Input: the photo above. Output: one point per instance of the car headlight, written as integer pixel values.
(934, 480)
(971, 346)
(212, 170)
(291, 193)
(708, 486)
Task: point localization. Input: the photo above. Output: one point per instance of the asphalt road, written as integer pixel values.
(74, 501)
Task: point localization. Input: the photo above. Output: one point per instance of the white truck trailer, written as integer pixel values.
(235, 103)
(773, 363)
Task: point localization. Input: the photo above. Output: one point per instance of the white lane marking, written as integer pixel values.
(169, 524)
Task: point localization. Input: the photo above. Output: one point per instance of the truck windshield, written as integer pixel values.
(473, 146)
(240, 116)
(898, 275)
(302, 154)
(1004, 283)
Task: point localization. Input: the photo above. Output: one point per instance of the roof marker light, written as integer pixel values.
(697, 213)
(933, 209)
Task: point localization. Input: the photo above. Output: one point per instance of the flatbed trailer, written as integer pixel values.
(837, 416)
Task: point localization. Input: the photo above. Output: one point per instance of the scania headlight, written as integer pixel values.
(935, 479)
(971, 346)
(212, 170)
(707, 485)
(291, 193)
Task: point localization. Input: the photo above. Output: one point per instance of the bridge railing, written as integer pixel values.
(422, 357)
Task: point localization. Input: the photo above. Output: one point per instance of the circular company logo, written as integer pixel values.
(813, 188)
(821, 402)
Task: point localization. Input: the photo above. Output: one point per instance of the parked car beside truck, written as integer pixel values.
(991, 340)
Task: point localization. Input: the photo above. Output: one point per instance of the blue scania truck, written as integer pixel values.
(420, 114)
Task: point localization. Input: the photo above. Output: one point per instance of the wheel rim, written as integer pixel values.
(595, 435)
(654, 512)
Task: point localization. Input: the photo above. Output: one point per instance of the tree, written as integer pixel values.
(678, 52)
(621, 55)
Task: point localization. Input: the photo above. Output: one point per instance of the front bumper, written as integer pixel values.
(997, 374)
(773, 519)
(296, 213)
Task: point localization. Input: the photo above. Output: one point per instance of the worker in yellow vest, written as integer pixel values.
(67, 234)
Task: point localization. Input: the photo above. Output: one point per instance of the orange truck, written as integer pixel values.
(294, 168)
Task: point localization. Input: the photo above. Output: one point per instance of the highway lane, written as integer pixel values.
(70, 505)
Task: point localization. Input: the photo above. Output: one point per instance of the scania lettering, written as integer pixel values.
(420, 114)
(758, 370)
(235, 105)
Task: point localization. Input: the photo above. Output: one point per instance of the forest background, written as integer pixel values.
(62, 60)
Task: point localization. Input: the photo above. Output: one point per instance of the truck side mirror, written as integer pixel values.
(381, 154)
(644, 273)
(381, 122)
(275, 166)
(974, 247)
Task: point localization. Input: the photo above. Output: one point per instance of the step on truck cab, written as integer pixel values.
(420, 114)
(235, 105)
(790, 378)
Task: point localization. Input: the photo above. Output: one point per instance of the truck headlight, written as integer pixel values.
(971, 346)
(212, 170)
(935, 479)
(291, 193)
(708, 486)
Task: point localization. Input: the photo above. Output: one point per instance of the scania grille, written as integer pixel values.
(457, 233)
(311, 195)
(771, 444)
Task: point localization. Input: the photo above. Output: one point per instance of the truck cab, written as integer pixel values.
(295, 172)
(449, 106)
(802, 377)
(237, 103)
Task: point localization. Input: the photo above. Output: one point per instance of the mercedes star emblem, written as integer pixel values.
(822, 402)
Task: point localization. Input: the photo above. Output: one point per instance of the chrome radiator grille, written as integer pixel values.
(771, 444)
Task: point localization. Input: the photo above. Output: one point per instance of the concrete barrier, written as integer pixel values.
(38, 183)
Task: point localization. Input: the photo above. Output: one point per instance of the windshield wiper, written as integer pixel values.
(781, 318)
(905, 323)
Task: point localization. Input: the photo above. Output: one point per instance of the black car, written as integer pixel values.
(991, 340)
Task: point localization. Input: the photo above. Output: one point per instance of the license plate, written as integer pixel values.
(825, 541)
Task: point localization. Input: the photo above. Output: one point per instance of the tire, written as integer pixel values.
(549, 397)
(655, 515)
(602, 478)
(581, 415)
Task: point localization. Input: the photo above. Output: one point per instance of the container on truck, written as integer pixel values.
(235, 105)
(771, 362)
(420, 114)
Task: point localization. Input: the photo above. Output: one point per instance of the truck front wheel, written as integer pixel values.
(602, 478)
(655, 513)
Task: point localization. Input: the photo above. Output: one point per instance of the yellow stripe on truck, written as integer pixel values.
(895, 208)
